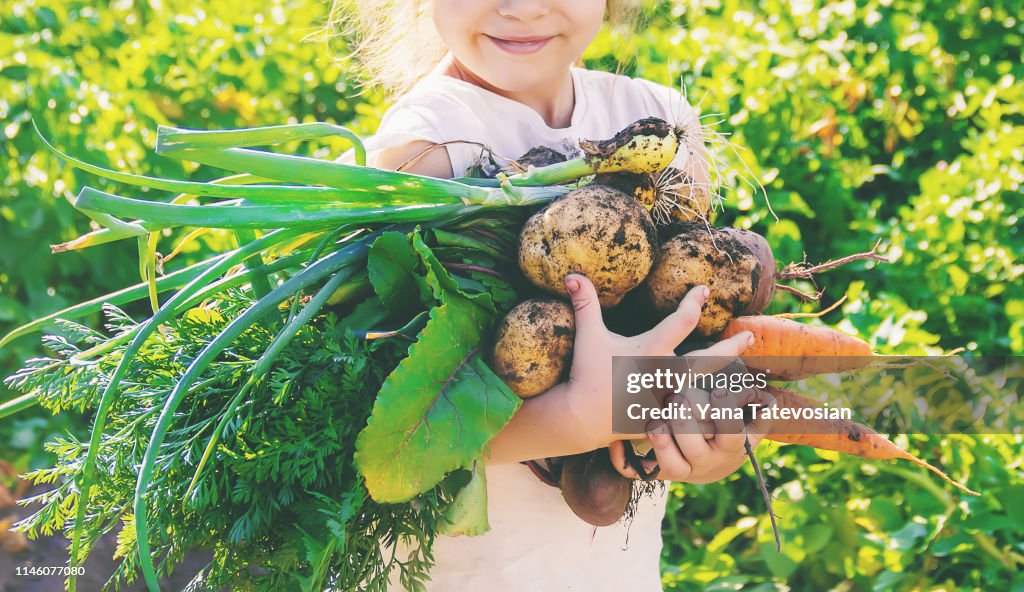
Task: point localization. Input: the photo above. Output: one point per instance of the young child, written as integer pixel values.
(500, 74)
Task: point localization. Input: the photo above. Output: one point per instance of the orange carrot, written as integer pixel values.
(839, 435)
(789, 350)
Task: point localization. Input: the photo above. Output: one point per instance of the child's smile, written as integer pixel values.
(518, 46)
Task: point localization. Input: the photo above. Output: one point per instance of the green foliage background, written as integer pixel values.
(892, 119)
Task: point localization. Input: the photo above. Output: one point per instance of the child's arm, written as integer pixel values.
(434, 163)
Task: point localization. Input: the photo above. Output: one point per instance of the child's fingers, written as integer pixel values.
(691, 433)
(697, 449)
(730, 443)
(719, 355)
(729, 435)
(692, 424)
(587, 308)
(617, 452)
(676, 327)
(673, 465)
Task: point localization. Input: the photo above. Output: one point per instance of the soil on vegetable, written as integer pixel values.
(540, 156)
(52, 551)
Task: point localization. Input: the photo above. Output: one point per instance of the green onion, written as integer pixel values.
(260, 216)
(267, 193)
(170, 139)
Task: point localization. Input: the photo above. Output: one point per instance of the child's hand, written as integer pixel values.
(590, 378)
(699, 452)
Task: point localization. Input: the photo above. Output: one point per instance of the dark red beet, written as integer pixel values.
(594, 490)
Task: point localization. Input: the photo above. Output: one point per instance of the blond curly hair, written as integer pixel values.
(396, 44)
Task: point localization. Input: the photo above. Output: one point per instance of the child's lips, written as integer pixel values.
(521, 47)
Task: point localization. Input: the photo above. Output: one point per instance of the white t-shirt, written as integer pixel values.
(444, 109)
(536, 543)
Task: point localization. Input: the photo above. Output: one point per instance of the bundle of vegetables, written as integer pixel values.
(639, 263)
(305, 401)
(302, 402)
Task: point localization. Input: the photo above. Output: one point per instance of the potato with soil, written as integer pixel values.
(533, 345)
(639, 186)
(737, 265)
(595, 230)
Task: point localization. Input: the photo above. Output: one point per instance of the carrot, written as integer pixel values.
(789, 350)
(839, 435)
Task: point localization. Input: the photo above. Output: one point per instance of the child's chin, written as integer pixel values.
(524, 78)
